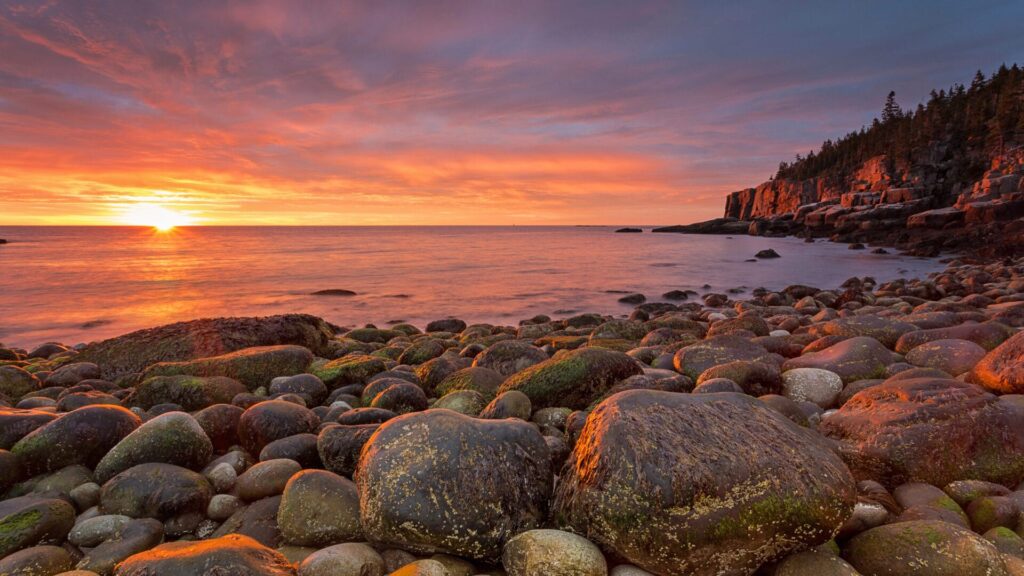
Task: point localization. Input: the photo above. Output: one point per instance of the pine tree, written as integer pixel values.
(978, 82)
(891, 111)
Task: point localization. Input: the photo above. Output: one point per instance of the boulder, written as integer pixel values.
(37, 561)
(988, 335)
(205, 338)
(339, 446)
(70, 374)
(351, 369)
(695, 359)
(422, 350)
(902, 431)
(953, 357)
(171, 438)
(572, 379)
(552, 553)
(349, 559)
(885, 330)
(15, 382)
(685, 484)
(812, 385)
(80, 437)
(509, 356)
(319, 508)
(1002, 369)
(155, 491)
(439, 481)
(190, 392)
(857, 358)
(257, 521)
(254, 367)
(28, 521)
(475, 378)
(265, 479)
(923, 546)
(272, 420)
(134, 537)
(231, 554)
(16, 423)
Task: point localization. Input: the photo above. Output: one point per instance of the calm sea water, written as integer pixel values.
(77, 284)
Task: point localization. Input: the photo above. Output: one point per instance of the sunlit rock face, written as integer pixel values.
(932, 430)
(686, 484)
(439, 481)
(1002, 369)
(232, 554)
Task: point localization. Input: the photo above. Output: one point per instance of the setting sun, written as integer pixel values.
(155, 215)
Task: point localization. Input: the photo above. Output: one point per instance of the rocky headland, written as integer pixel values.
(948, 176)
(873, 429)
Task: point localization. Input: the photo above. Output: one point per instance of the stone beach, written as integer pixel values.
(872, 428)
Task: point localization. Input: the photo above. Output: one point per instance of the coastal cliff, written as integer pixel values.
(948, 176)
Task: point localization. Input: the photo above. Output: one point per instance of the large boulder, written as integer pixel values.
(929, 547)
(858, 358)
(26, 521)
(1002, 369)
(231, 554)
(253, 367)
(685, 484)
(905, 431)
(694, 359)
(572, 379)
(155, 491)
(439, 481)
(171, 438)
(190, 392)
(83, 436)
(204, 338)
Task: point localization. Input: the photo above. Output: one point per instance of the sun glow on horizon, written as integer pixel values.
(157, 216)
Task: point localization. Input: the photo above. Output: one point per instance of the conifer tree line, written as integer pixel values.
(965, 126)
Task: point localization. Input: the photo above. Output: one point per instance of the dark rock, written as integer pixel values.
(80, 437)
(155, 491)
(265, 479)
(508, 357)
(693, 360)
(15, 424)
(903, 548)
(629, 230)
(253, 367)
(476, 378)
(37, 560)
(351, 369)
(272, 420)
(318, 509)
(300, 448)
(190, 392)
(767, 253)
(401, 398)
(572, 379)
(333, 292)
(172, 438)
(686, 484)
(257, 521)
(220, 423)
(438, 481)
(453, 325)
(340, 446)
(28, 521)
(133, 538)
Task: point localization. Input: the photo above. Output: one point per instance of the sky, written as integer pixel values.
(462, 113)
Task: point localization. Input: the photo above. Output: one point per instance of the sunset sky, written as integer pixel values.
(449, 112)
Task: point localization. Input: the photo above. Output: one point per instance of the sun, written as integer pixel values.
(155, 215)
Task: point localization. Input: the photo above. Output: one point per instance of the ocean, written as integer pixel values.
(79, 284)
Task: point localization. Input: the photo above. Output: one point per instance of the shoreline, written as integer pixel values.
(817, 395)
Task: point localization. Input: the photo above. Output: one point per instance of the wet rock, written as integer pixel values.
(572, 379)
(365, 416)
(349, 559)
(552, 553)
(172, 438)
(438, 481)
(857, 358)
(91, 532)
(58, 484)
(190, 392)
(903, 548)
(422, 350)
(453, 325)
(432, 373)
(401, 398)
(15, 382)
(340, 446)
(272, 420)
(37, 561)
(253, 367)
(812, 385)
(351, 369)
(475, 378)
(754, 378)
(223, 506)
(468, 402)
(257, 521)
(511, 404)
(426, 567)
(305, 385)
(155, 491)
(884, 330)
(80, 437)
(220, 423)
(715, 385)
(231, 554)
(813, 562)
(509, 356)
(134, 537)
(1002, 369)
(300, 448)
(265, 479)
(988, 335)
(27, 521)
(319, 508)
(15, 424)
(685, 484)
(901, 431)
(86, 495)
(75, 400)
(954, 357)
(694, 360)
(205, 338)
(767, 253)
(988, 512)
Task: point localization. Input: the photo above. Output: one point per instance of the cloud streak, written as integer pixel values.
(448, 112)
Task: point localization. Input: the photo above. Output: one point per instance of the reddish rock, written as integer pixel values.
(1002, 369)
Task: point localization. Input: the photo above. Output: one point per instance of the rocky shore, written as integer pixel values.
(873, 429)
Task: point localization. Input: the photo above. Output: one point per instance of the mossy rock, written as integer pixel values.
(468, 402)
(619, 330)
(37, 561)
(904, 548)
(686, 483)
(319, 508)
(57, 484)
(562, 342)
(155, 490)
(16, 423)
(351, 369)
(373, 335)
(272, 420)
(80, 437)
(857, 358)
(339, 446)
(254, 367)
(171, 438)
(15, 382)
(476, 378)
(885, 330)
(438, 481)
(190, 392)
(509, 356)
(205, 338)
(422, 350)
(572, 379)
(27, 521)
(432, 372)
